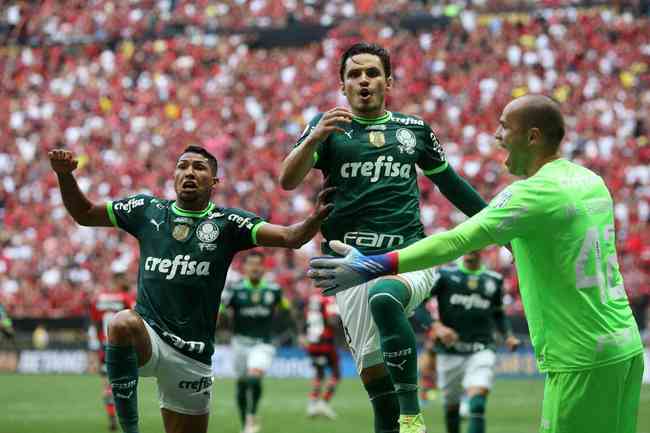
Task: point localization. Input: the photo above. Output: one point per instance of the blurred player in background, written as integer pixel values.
(105, 305)
(470, 310)
(186, 247)
(6, 325)
(559, 220)
(372, 156)
(252, 304)
(321, 321)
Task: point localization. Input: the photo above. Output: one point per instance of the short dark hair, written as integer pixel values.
(254, 253)
(543, 112)
(212, 161)
(366, 48)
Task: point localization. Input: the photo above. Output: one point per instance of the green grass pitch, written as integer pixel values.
(73, 404)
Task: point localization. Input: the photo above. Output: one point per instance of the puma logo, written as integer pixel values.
(124, 396)
(400, 365)
(157, 224)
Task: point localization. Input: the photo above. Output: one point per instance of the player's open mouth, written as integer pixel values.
(365, 93)
(189, 184)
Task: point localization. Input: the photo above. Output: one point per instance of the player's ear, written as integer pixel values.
(389, 83)
(342, 84)
(535, 136)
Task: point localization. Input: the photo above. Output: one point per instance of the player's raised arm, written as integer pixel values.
(303, 157)
(296, 235)
(82, 210)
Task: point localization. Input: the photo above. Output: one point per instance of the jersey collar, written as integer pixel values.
(464, 270)
(373, 121)
(192, 213)
(249, 284)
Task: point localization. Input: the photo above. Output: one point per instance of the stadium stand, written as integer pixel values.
(126, 85)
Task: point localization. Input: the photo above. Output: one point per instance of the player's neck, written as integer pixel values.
(369, 116)
(539, 163)
(195, 206)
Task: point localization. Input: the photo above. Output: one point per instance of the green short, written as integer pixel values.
(600, 400)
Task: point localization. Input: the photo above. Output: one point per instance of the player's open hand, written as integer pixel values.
(335, 274)
(512, 343)
(62, 161)
(332, 121)
(324, 204)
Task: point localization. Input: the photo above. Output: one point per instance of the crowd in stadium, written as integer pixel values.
(128, 107)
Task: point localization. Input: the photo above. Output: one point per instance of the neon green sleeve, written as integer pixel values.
(444, 247)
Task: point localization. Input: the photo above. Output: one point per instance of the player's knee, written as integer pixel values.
(387, 295)
(477, 405)
(123, 327)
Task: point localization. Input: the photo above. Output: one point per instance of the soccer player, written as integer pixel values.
(372, 155)
(105, 305)
(252, 305)
(6, 325)
(559, 220)
(470, 310)
(321, 320)
(186, 246)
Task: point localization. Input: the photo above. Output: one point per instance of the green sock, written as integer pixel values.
(255, 386)
(476, 414)
(452, 418)
(387, 299)
(122, 368)
(242, 398)
(384, 404)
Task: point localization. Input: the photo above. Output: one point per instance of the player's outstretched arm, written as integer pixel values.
(301, 159)
(82, 210)
(458, 191)
(296, 235)
(335, 274)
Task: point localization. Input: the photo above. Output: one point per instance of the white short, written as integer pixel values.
(456, 373)
(249, 354)
(360, 330)
(184, 384)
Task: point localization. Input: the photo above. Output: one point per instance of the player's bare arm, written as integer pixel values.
(82, 210)
(301, 159)
(296, 235)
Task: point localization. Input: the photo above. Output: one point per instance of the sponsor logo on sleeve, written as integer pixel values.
(129, 205)
(241, 221)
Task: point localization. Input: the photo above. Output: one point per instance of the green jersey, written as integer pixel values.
(184, 258)
(471, 303)
(373, 165)
(253, 307)
(5, 320)
(561, 225)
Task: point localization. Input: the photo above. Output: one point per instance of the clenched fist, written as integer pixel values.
(62, 161)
